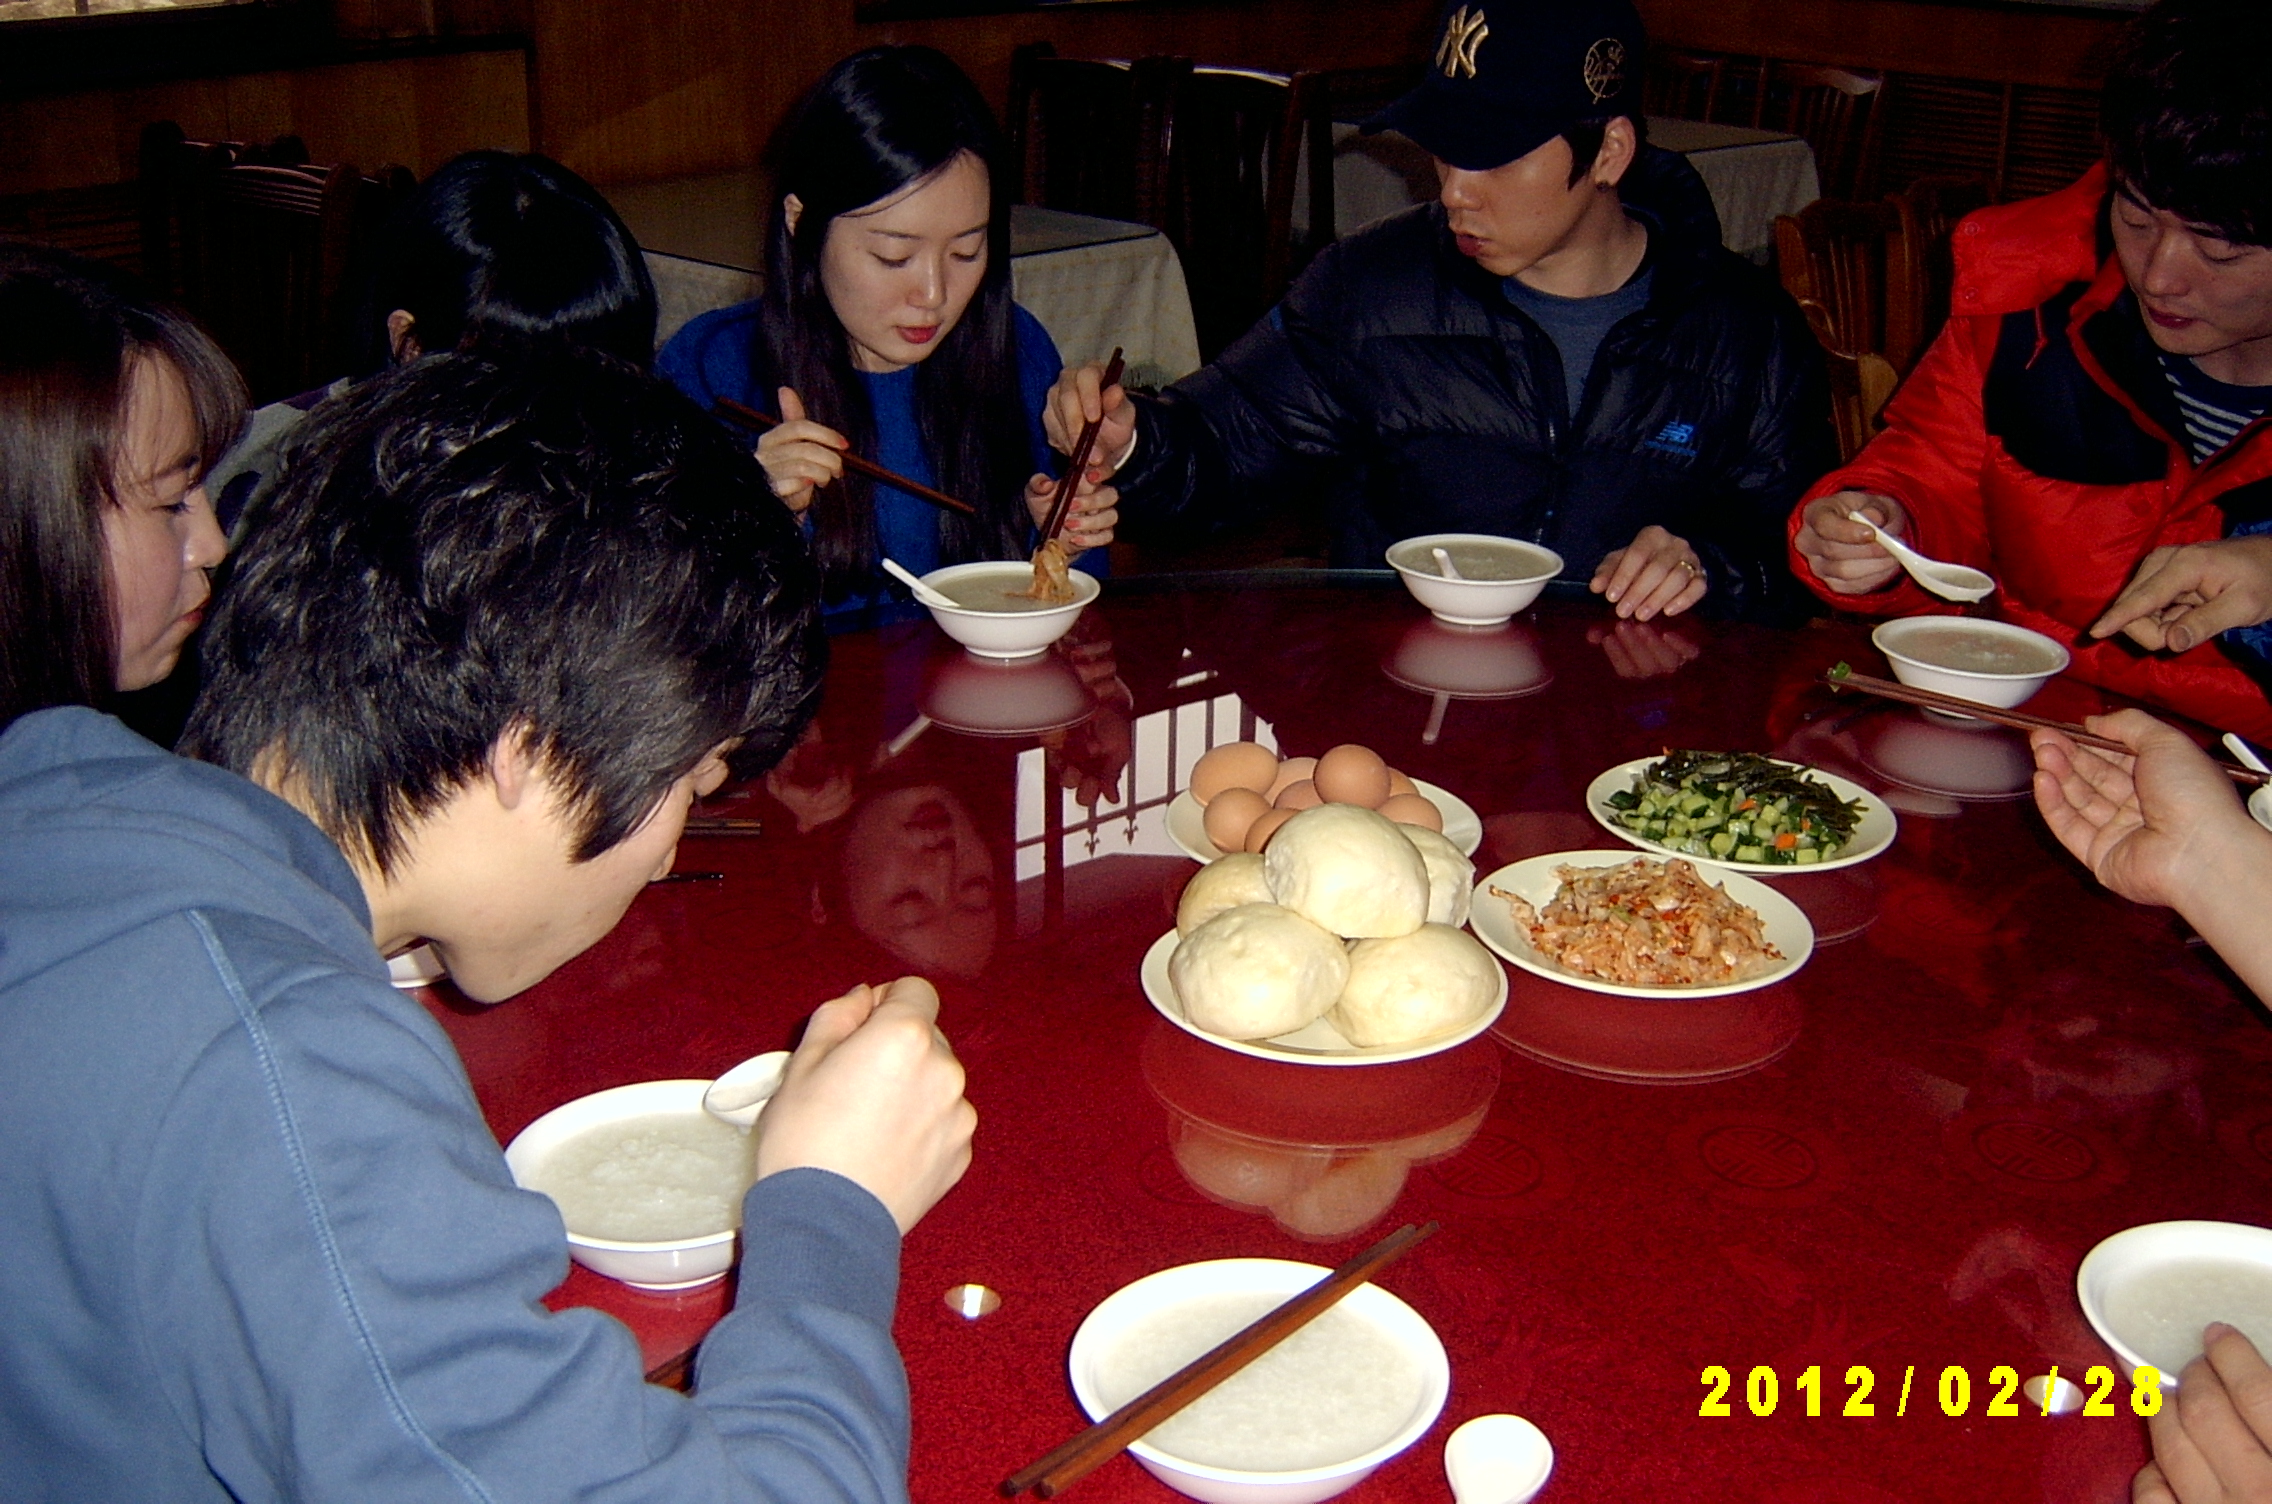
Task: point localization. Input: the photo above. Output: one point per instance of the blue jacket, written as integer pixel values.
(260, 1242)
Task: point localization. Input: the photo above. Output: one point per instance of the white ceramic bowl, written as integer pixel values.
(1007, 634)
(1131, 1304)
(2135, 1252)
(650, 1266)
(1473, 603)
(1898, 639)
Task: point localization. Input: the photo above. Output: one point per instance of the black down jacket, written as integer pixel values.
(1432, 404)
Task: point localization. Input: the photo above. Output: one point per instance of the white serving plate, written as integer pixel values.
(1130, 1304)
(2137, 1250)
(1534, 881)
(1316, 1043)
(1871, 837)
(1187, 823)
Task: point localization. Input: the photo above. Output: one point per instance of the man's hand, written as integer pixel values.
(1841, 552)
(2213, 1437)
(800, 454)
(874, 1093)
(1656, 573)
(2147, 824)
(1081, 397)
(1089, 520)
(2181, 597)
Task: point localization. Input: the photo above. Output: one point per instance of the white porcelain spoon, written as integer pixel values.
(1444, 565)
(1952, 582)
(923, 592)
(1498, 1459)
(738, 1096)
(2245, 752)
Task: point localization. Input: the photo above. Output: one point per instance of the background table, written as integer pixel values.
(1896, 1160)
(1095, 284)
(1753, 175)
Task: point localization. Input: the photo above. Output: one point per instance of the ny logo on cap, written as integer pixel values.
(1463, 33)
(1604, 69)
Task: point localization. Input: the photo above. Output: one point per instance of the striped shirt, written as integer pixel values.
(2214, 411)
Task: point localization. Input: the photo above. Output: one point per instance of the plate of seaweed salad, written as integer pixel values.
(1741, 811)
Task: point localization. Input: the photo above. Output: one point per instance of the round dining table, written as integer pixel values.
(1797, 1245)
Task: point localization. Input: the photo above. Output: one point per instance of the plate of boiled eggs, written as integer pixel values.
(1241, 792)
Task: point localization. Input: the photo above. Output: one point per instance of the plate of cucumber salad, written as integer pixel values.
(1742, 811)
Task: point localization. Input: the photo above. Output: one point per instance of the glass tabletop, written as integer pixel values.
(1862, 1193)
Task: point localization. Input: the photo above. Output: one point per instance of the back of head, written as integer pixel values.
(495, 241)
(2187, 115)
(470, 547)
(71, 333)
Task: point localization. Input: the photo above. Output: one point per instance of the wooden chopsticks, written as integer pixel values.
(723, 825)
(757, 422)
(1078, 461)
(1842, 677)
(1100, 1443)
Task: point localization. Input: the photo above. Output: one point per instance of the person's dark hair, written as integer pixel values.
(467, 548)
(2187, 115)
(1586, 135)
(880, 120)
(511, 243)
(71, 331)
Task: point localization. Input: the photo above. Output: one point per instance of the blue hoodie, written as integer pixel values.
(260, 1243)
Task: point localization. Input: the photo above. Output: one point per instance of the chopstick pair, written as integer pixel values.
(1842, 677)
(1078, 461)
(723, 825)
(1100, 1443)
(757, 422)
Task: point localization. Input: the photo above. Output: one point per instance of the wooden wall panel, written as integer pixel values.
(419, 112)
(1906, 36)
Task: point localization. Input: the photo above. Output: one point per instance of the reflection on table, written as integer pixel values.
(1895, 1160)
(1753, 175)
(1095, 284)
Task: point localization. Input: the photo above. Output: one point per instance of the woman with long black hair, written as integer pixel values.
(887, 328)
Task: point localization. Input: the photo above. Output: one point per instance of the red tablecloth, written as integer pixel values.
(1893, 1162)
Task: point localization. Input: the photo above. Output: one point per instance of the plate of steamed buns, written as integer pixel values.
(1342, 942)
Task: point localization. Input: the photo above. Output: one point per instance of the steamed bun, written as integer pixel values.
(1224, 883)
(1451, 876)
(1349, 870)
(1257, 970)
(1416, 986)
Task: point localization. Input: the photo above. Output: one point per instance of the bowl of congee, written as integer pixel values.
(1309, 1419)
(1481, 580)
(649, 1184)
(1991, 662)
(996, 613)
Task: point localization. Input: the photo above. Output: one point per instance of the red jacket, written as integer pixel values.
(2038, 439)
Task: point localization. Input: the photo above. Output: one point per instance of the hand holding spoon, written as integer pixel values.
(1953, 582)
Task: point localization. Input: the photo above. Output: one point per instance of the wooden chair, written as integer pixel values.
(258, 248)
(1684, 85)
(1321, 99)
(1091, 135)
(1841, 115)
(1928, 210)
(1231, 193)
(1834, 259)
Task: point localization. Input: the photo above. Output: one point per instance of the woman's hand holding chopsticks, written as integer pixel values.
(800, 454)
(1089, 521)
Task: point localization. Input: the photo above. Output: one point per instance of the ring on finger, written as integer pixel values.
(1690, 566)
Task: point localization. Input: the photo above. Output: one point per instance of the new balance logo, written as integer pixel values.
(1675, 438)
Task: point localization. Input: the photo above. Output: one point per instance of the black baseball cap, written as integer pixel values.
(1509, 74)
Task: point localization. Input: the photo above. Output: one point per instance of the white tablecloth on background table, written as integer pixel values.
(1753, 176)
(1094, 283)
